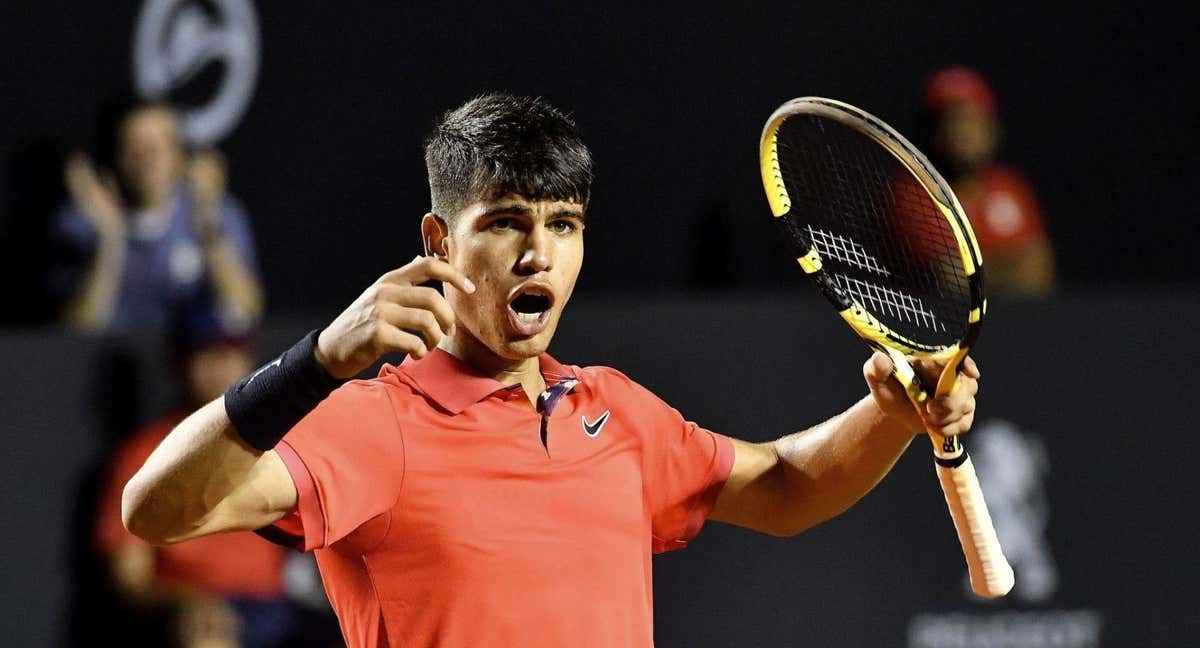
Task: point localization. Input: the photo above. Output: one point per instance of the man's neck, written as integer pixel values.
(526, 371)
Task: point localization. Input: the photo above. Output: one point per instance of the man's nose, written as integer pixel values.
(537, 255)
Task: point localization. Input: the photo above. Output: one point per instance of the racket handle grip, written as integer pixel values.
(991, 575)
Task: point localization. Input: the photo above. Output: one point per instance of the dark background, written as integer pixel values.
(684, 286)
(671, 96)
(1120, 489)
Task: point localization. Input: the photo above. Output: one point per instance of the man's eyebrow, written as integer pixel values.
(525, 210)
(568, 213)
(515, 210)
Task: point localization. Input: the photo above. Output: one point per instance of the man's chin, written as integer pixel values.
(513, 346)
(521, 349)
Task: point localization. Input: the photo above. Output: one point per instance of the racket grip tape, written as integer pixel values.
(991, 575)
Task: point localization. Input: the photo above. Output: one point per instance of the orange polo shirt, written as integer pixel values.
(446, 510)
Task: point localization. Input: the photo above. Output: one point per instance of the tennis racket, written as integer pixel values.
(885, 240)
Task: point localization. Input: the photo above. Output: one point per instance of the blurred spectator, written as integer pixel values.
(149, 230)
(224, 590)
(1001, 204)
(316, 625)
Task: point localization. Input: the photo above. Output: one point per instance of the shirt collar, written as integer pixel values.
(455, 385)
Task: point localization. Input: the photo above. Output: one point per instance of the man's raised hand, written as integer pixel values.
(380, 320)
(947, 415)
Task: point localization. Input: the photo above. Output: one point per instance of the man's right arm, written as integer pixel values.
(205, 477)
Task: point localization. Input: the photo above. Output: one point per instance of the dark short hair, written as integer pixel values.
(497, 144)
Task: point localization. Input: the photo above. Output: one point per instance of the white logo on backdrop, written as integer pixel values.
(1012, 467)
(176, 39)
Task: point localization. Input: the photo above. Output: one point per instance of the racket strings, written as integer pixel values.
(843, 249)
(880, 299)
(880, 235)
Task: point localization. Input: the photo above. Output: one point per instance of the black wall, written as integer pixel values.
(1092, 384)
(672, 96)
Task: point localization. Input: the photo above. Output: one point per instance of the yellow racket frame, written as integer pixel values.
(991, 575)
(874, 332)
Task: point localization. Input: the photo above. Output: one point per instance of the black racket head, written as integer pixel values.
(874, 225)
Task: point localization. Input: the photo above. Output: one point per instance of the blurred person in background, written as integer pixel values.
(1000, 202)
(149, 229)
(224, 590)
(315, 624)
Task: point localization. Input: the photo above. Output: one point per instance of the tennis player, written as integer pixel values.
(483, 493)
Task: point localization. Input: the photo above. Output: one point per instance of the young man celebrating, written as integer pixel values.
(482, 493)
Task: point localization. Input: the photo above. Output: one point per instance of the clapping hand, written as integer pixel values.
(97, 196)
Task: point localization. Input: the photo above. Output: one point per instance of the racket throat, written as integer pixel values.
(947, 451)
(949, 377)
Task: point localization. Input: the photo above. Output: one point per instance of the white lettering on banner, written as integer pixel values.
(1032, 629)
(176, 39)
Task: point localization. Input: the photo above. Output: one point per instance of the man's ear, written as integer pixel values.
(434, 232)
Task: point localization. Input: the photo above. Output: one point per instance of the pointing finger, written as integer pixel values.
(421, 297)
(423, 269)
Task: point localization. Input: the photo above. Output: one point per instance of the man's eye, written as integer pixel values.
(562, 227)
(502, 224)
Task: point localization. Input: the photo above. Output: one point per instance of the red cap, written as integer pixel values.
(959, 85)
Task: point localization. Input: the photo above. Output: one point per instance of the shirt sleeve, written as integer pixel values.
(684, 468)
(347, 461)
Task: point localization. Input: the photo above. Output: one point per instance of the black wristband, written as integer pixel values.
(266, 404)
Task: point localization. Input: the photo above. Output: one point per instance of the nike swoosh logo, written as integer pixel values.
(268, 366)
(592, 429)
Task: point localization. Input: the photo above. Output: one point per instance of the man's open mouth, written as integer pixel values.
(529, 306)
(529, 309)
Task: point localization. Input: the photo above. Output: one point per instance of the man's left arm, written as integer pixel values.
(786, 486)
